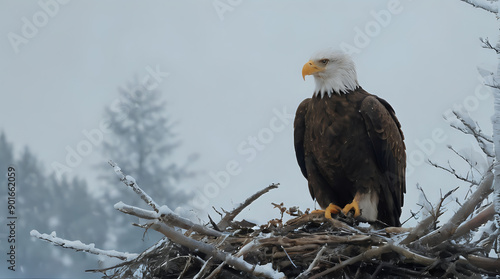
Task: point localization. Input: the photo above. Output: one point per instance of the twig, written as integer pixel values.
(313, 264)
(226, 220)
(79, 246)
(288, 256)
(135, 211)
(453, 172)
(471, 164)
(411, 256)
(168, 217)
(203, 269)
(250, 246)
(318, 239)
(483, 4)
(447, 230)
(216, 271)
(376, 253)
(237, 263)
(421, 229)
(488, 241)
(130, 181)
(367, 255)
(487, 44)
(485, 142)
(186, 266)
(424, 226)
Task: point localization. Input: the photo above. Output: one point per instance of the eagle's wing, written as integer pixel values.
(386, 137)
(299, 127)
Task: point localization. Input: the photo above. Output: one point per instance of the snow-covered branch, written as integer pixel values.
(487, 5)
(447, 230)
(167, 216)
(79, 246)
(130, 181)
(486, 44)
(466, 125)
(478, 220)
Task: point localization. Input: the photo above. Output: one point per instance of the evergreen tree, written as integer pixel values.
(141, 142)
(47, 204)
(6, 153)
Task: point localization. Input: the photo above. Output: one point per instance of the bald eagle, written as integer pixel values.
(349, 144)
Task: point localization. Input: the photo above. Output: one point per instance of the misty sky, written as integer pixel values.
(232, 80)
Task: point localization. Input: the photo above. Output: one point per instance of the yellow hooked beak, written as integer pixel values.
(310, 68)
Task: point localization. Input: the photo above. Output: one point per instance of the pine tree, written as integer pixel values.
(47, 204)
(142, 140)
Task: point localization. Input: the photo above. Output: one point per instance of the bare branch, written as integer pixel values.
(447, 230)
(475, 222)
(317, 239)
(483, 4)
(306, 273)
(203, 269)
(367, 255)
(376, 253)
(226, 220)
(469, 161)
(216, 271)
(424, 226)
(487, 44)
(453, 172)
(237, 263)
(489, 264)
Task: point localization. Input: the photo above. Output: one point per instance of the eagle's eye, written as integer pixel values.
(324, 61)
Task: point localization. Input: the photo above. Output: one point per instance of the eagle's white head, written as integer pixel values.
(333, 71)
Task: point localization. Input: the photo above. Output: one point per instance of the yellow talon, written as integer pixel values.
(354, 205)
(331, 209)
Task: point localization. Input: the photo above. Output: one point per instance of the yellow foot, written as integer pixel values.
(335, 209)
(352, 206)
(331, 209)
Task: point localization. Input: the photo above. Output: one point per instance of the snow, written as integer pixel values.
(139, 272)
(495, 119)
(465, 118)
(188, 214)
(364, 225)
(490, 6)
(248, 247)
(165, 210)
(80, 246)
(117, 170)
(268, 269)
(119, 205)
(485, 229)
(130, 179)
